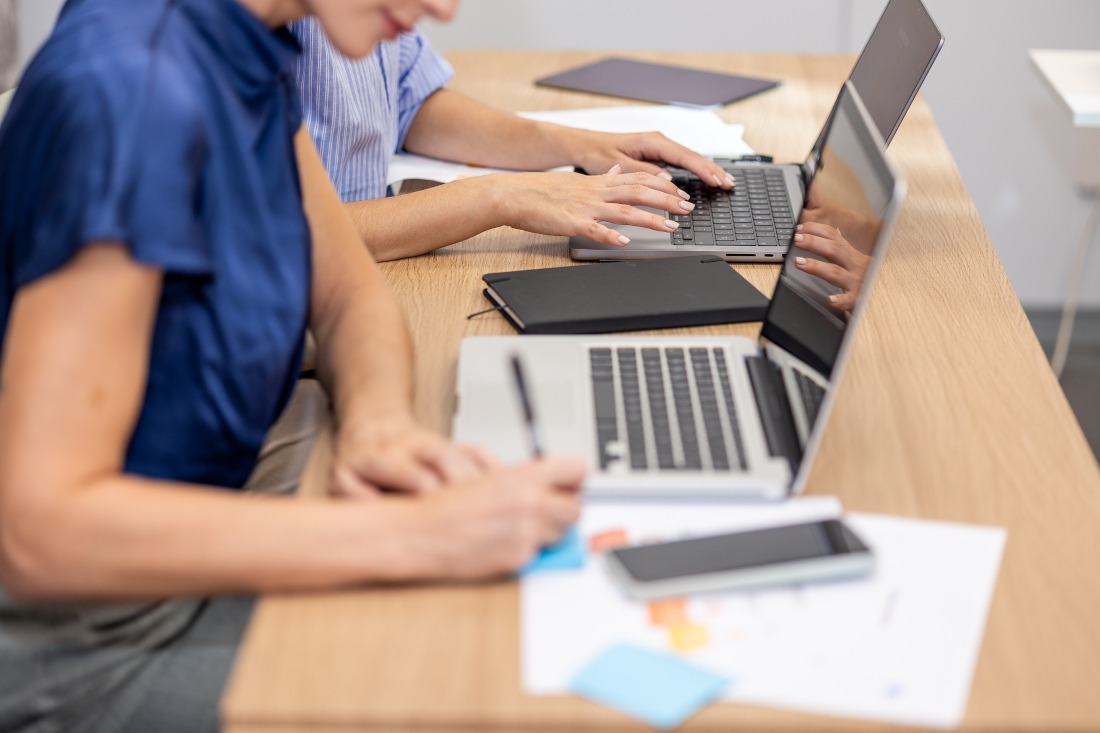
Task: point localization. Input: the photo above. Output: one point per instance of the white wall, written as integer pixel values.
(1009, 135)
(36, 17)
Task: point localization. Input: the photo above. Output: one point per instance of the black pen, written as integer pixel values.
(533, 434)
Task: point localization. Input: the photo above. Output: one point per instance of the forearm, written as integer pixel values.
(364, 351)
(452, 126)
(124, 537)
(416, 223)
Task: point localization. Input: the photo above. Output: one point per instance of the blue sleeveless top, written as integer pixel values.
(167, 126)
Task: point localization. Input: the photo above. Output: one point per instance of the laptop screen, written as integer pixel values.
(892, 67)
(854, 190)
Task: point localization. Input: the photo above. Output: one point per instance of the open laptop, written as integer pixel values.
(754, 222)
(701, 416)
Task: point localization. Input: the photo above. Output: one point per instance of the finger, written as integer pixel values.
(559, 514)
(597, 232)
(347, 484)
(823, 247)
(844, 301)
(564, 473)
(655, 182)
(656, 146)
(454, 464)
(482, 456)
(400, 470)
(630, 165)
(820, 229)
(632, 215)
(830, 273)
(640, 194)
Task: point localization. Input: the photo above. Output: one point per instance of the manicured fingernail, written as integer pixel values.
(798, 228)
(800, 260)
(615, 169)
(834, 298)
(672, 224)
(717, 181)
(665, 175)
(623, 239)
(683, 194)
(798, 237)
(729, 180)
(687, 205)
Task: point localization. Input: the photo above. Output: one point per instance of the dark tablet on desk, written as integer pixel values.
(657, 83)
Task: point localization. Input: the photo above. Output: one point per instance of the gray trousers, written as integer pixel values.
(141, 667)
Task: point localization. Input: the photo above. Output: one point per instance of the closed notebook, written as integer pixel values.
(625, 296)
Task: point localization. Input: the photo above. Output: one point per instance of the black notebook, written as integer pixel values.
(625, 296)
(658, 83)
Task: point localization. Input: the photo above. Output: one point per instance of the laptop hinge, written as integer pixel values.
(775, 410)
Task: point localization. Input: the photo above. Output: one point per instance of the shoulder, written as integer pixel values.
(102, 79)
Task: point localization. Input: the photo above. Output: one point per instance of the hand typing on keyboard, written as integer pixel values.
(574, 204)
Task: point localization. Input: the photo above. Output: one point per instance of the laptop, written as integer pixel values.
(701, 416)
(754, 222)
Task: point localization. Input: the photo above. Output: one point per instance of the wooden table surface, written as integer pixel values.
(948, 411)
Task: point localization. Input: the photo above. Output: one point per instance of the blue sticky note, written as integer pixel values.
(568, 554)
(656, 687)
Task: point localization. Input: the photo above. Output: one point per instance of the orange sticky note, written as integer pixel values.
(667, 612)
(605, 541)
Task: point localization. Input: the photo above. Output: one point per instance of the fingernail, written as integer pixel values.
(683, 194)
(730, 181)
(615, 168)
(672, 224)
(798, 237)
(623, 239)
(798, 228)
(717, 181)
(834, 298)
(687, 205)
(800, 260)
(665, 175)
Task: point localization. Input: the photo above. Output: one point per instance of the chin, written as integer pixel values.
(355, 45)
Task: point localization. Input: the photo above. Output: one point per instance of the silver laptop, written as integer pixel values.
(754, 222)
(701, 416)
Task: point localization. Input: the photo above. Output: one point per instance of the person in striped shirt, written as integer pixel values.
(361, 112)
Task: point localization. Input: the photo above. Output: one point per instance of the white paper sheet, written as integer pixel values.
(699, 129)
(898, 646)
(407, 167)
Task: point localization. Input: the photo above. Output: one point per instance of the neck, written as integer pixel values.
(275, 13)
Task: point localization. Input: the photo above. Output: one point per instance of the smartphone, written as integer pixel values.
(795, 553)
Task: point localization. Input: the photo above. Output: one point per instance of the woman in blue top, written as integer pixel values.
(167, 234)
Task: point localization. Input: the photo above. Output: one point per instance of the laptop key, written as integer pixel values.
(704, 237)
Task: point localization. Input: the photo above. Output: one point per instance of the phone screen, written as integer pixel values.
(738, 550)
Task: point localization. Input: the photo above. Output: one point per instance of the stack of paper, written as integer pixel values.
(898, 646)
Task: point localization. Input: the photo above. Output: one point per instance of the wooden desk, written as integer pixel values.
(948, 411)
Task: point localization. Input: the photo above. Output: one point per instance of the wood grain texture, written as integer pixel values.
(948, 411)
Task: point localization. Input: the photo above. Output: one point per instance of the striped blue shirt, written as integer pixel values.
(359, 112)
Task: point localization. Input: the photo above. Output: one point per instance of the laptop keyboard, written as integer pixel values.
(756, 213)
(812, 393)
(665, 408)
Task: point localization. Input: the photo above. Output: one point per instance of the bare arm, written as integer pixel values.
(74, 526)
(452, 126)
